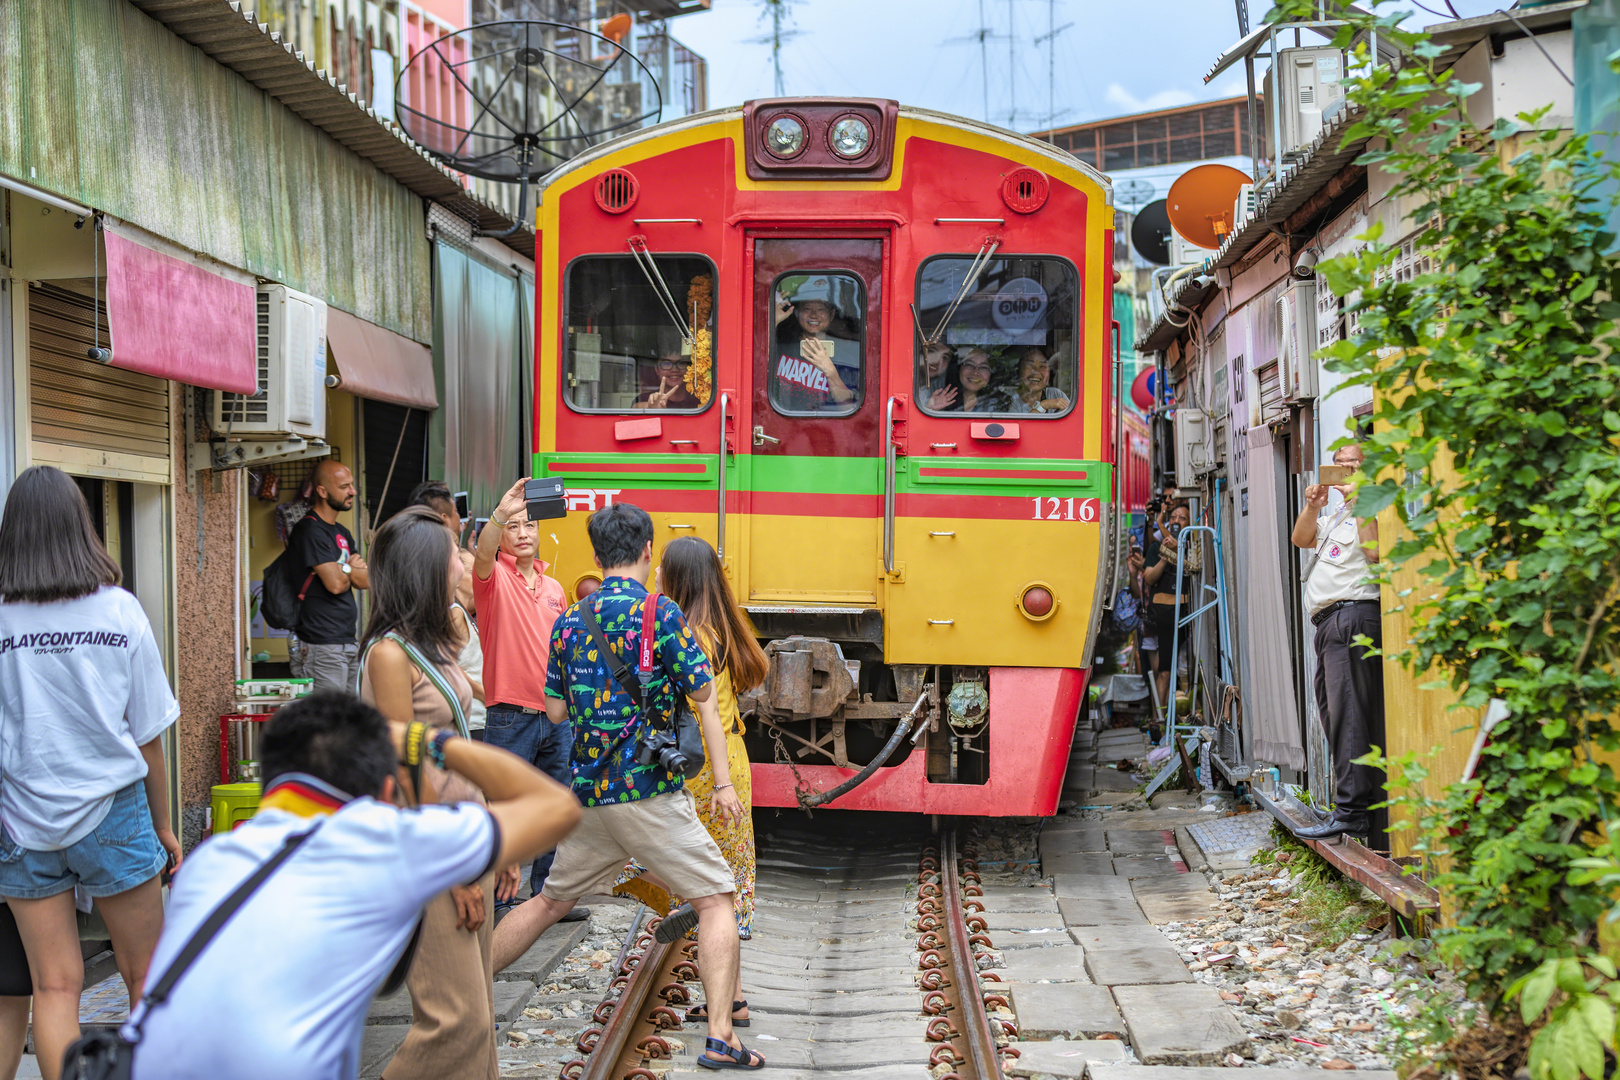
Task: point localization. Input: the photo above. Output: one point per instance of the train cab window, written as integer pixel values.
(817, 367)
(624, 350)
(1003, 342)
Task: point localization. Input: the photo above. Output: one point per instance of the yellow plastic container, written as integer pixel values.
(234, 804)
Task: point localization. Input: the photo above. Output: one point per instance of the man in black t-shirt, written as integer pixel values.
(326, 650)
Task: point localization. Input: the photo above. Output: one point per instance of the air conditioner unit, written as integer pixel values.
(1193, 457)
(1183, 253)
(291, 337)
(1296, 327)
(1311, 85)
(1243, 208)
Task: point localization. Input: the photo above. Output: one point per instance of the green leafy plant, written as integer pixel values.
(1497, 441)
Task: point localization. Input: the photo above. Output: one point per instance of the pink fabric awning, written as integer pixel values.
(376, 363)
(174, 319)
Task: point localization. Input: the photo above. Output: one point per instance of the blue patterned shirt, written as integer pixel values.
(607, 729)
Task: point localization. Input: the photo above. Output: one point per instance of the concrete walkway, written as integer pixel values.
(1098, 990)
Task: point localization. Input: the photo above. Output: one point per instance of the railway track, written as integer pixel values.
(863, 964)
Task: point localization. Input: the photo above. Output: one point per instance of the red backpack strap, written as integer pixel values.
(305, 589)
(649, 630)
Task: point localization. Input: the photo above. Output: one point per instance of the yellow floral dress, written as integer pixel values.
(736, 842)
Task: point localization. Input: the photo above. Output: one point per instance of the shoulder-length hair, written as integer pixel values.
(691, 575)
(410, 584)
(49, 550)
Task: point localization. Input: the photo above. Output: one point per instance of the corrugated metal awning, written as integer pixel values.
(175, 320)
(379, 364)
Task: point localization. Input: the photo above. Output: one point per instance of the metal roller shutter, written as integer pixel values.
(85, 417)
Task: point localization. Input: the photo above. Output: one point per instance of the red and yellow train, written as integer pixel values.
(866, 351)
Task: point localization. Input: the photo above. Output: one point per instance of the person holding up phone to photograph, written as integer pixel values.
(517, 604)
(814, 368)
(1343, 603)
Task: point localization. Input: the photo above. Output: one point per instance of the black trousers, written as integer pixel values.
(1350, 698)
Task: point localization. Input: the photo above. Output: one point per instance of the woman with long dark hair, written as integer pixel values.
(408, 670)
(84, 701)
(690, 573)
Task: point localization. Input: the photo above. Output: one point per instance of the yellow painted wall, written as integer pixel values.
(264, 546)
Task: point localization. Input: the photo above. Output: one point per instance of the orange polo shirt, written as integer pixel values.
(514, 627)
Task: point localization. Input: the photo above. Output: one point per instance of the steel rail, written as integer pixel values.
(975, 1022)
(962, 1029)
(631, 1025)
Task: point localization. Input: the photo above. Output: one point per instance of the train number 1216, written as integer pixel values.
(1051, 508)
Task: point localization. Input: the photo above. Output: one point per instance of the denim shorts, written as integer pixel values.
(119, 854)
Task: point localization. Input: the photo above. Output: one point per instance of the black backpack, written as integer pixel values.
(278, 602)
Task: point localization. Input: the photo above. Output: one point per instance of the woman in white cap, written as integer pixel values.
(814, 370)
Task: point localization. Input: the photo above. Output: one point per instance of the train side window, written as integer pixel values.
(1009, 346)
(623, 350)
(817, 363)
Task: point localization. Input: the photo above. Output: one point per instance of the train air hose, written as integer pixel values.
(809, 801)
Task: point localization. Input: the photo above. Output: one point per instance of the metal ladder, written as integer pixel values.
(1211, 596)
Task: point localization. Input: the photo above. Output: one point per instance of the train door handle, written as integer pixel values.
(760, 438)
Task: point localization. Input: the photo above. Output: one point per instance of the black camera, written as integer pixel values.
(1153, 506)
(546, 498)
(661, 746)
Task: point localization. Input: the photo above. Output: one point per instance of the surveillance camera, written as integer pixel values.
(1305, 264)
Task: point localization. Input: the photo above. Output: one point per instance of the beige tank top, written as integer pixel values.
(427, 704)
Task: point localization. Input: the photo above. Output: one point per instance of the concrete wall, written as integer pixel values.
(207, 624)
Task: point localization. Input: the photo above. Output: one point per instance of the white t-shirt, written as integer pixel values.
(1341, 573)
(283, 989)
(82, 687)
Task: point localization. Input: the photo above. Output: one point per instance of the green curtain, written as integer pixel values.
(482, 357)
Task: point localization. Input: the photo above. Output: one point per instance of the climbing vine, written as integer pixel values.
(1497, 440)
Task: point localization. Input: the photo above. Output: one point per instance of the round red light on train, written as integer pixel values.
(1037, 601)
(585, 586)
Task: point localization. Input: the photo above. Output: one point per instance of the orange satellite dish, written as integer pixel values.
(615, 28)
(1200, 204)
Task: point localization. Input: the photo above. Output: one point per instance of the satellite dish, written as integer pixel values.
(1132, 194)
(1150, 233)
(525, 96)
(1200, 204)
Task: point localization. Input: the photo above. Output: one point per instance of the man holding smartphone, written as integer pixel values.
(1342, 601)
(517, 604)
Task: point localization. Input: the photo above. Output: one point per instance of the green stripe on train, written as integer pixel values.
(831, 475)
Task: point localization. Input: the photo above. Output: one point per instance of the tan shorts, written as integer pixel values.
(662, 833)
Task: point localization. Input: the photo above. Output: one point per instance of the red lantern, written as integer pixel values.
(1142, 390)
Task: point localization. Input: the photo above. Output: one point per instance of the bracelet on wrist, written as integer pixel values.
(435, 746)
(722, 787)
(497, 521)
(415, 733)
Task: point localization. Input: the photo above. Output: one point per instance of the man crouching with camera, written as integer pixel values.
(629, 774)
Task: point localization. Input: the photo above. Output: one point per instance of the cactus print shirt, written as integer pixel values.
(607, 729)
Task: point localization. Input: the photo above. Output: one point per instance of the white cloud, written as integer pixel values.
(1127, 102)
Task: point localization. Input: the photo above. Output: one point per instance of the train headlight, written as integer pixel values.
(1037, 602)
(784, 136)
(850, 137)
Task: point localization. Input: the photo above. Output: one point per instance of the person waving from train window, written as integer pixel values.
(671, 391)
(1034, 391)
(974, 375)
(939, 382)
(815, 369)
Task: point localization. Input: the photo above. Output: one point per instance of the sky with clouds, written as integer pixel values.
(1113, 58)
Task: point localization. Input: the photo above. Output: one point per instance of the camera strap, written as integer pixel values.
(621, 671)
